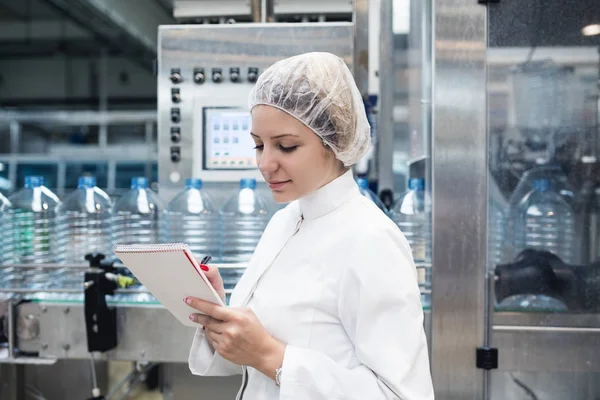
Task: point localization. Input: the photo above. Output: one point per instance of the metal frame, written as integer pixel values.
(101, 153)
(459, 180)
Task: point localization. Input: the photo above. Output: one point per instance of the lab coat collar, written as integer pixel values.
(329, 197)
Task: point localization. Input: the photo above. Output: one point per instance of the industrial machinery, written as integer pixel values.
(205, 73)
(490, 112)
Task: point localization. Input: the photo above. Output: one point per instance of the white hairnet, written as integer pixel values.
(318, 90)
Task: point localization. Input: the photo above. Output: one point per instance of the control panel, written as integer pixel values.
(205, 75)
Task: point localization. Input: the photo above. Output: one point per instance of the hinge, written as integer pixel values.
(487, 358)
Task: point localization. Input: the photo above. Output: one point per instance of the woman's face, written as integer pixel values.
(291, 157)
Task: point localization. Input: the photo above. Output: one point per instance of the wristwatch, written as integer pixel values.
(278, 377)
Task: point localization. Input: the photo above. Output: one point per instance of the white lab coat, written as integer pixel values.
(334, 279)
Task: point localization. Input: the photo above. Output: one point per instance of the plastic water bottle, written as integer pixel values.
(31, 237)
(32, 217)
(192, 218)
(243, 219)
(412, 217)
(135, 217)
(595, 239)
(83, 223)
(5, 257)
(496, 233)
(5, 226)
(546, 222)
(363, 186)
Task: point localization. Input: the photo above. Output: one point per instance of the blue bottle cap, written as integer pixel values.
(362, 183)
(86, 182)
(139, 182)
(248, 184)
(416, 184)
(195, 183)
(542, 185)
(33, 181)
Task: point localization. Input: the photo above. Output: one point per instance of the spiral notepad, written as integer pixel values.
(170, 272)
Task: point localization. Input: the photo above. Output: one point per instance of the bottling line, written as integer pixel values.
(502, 123)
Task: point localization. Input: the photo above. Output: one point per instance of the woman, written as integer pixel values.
(329, 306)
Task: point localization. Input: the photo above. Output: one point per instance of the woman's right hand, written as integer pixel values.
(214, 277)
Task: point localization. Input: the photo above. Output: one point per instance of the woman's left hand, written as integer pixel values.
(238, 336)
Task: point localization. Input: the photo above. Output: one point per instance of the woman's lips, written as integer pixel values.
(274, 185)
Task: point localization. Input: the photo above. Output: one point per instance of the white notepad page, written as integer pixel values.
(170, 272)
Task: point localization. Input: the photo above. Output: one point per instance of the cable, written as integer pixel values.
(94, 379)
(523, 386)
(33, 392)
(132, 377)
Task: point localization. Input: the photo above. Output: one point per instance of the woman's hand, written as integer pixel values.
(238, 336)
(214, 277)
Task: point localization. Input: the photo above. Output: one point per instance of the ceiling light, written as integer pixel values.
(591, 30)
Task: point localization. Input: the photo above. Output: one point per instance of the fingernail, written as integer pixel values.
(203, 267)
(187, 300)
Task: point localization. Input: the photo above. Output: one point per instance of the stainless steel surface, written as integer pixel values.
(67, 118)
(459, 197)
(180, 384)
(385, 143)
(224, 46)
(145, 332)
(545, 351)
(361, 45)
(10, 315)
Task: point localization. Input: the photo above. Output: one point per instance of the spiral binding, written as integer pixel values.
(150, 248)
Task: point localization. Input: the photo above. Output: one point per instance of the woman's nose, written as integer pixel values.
(267, 161)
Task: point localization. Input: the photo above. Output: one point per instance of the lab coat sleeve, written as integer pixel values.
(379, 306)
(204, 360)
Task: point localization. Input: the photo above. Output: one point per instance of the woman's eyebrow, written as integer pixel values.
(275, 137)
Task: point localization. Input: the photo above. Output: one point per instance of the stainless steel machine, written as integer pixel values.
(205, 75)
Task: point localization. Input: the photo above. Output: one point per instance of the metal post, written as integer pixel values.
(15, 137)
(103, 96)
(149, 136)
(361, 45)
(385, 144)
(459, 180)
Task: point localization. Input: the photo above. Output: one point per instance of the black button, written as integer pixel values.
(175, 134)
(175, 76)
(217, 75)
(175, 115)
(175, 95)
(252, 74)
(199, 75)
(234, 74)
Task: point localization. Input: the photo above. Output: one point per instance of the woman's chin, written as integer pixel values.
(283, 196)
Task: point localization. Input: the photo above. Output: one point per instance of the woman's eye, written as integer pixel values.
(287, 149)
(258, 147)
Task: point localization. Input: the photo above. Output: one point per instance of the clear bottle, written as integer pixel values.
(83, 223)
(412, 216)
(135, 217)
(5, 226)
(243, 219)
(192, 218)
(31, 239)
(363, 186)
(595, 230)
(496, 233)
(546, 222)
(32, 217)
